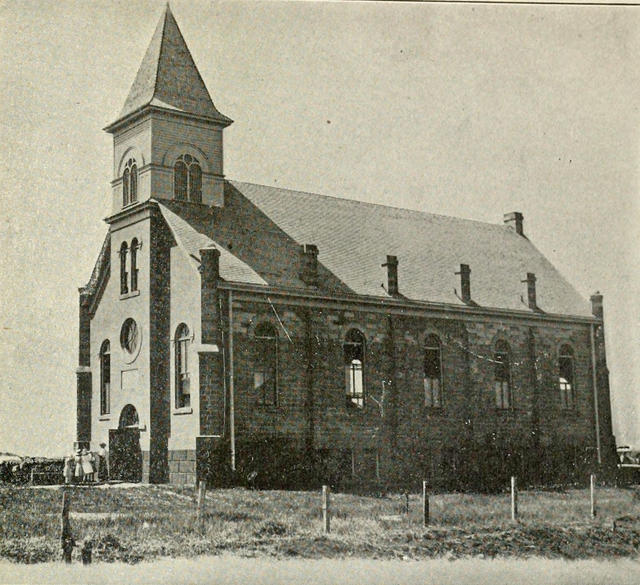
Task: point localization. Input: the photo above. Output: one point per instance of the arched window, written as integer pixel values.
(265, 371)
(133, 194)
(125, 186)
(187, 179)
(183, 391)
(105, 377)
(130, 183)
(432, 372)
(354, 351)
(502, 375)
(124, 275)
(134, 264)
(566, 377)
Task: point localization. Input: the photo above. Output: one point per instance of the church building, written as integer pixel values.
(244, 333)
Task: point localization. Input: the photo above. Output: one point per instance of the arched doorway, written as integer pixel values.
(125, 454)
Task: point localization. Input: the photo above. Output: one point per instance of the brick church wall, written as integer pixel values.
(408, 441)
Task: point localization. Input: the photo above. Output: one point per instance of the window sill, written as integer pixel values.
(133, 293)
(104, 417)
(181, 411)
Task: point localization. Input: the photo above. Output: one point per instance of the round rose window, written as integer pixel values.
(129, 336)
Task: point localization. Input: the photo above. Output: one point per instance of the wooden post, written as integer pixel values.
(406, 502)
(66, 539)
(202, 493)
(31, 476)
(87, 548)
(514, 499)
(593, 495)
(326, 510)
(425, 504)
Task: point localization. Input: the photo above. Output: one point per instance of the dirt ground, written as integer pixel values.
(134, 524)
(231, 570)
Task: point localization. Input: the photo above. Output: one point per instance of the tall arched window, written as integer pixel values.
(125, 186)
(181, 342)
(187, 179)
(130, 183)
(354, 352)
(105, 377)
(265, 370)
(502, 375)
(432, 372)
(133, 194)
(566, 377)
(134, 264)
(124, 275)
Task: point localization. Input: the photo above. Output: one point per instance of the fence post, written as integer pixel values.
(514, 499)
(425, 504)
(326, 510)
(31, 473)
(202, 493)
(87, 548)
(406, 502)
(66, 539)
(592, 484)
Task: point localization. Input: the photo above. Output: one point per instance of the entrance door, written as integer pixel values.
(125, 454)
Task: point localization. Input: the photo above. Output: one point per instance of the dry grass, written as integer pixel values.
(131, 524)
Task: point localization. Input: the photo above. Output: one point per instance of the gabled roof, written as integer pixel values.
(168, 77)
(101, 266)
(266, 226)
(191, 242)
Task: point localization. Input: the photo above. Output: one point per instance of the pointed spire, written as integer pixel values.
(168, 77)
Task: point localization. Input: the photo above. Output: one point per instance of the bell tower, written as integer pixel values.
(167, 140)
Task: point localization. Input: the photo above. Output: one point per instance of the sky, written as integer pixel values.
(471, 110)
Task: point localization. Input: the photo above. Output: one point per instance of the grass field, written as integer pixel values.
(145, 522)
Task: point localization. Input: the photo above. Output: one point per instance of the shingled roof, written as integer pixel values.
(168, 77)
(265, 226)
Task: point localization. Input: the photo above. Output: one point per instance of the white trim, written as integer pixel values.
(207, 348)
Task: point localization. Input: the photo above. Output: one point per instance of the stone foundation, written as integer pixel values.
(182, 467)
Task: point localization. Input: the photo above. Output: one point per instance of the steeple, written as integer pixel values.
(168, 139)
(168, 77)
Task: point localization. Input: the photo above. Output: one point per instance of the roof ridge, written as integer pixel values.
(378, 205)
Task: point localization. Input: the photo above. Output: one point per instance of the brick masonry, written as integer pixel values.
(312, 409)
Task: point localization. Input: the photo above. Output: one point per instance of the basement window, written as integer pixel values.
(432, 372)
(354, 351)
(502, 384)
(265, 371)
(566, 377)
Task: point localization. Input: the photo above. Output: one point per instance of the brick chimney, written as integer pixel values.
(531, 291)
(515, 220)
(209, 276)
(392, 274)
(465, 283)
(309, 273)
(210, 265)
(596, 305)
